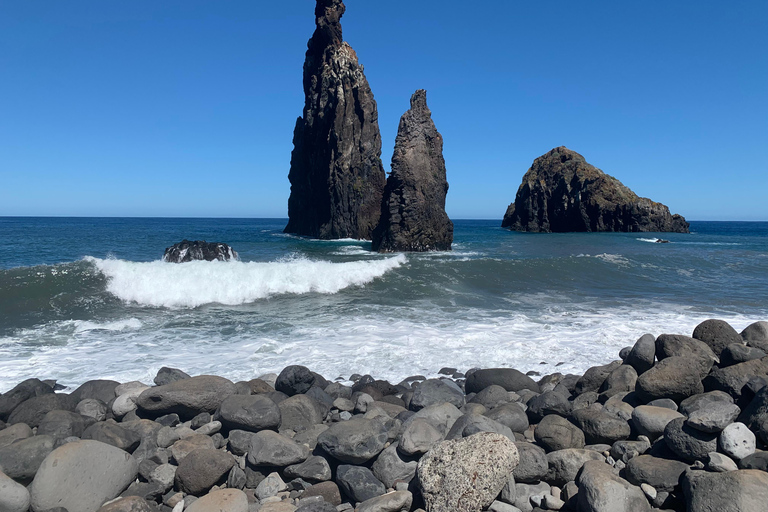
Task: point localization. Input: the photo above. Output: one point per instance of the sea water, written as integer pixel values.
(86, 298)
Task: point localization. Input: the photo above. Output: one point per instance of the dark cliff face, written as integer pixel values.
(413, 214)
(336, 175)
(561, 192)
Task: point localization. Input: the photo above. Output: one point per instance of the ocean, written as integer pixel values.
(86, 298)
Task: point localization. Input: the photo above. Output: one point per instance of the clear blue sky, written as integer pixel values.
(187, 107)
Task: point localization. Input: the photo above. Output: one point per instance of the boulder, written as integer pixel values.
(92, 408)
(12, 433)
(594, 377)
(720, 463)
(435, 392)
(223, 500)
(511, 415)
(33, 410)
(676, 345)
(600, 427)
(643, 354)
(294, 380)
(249, 412)
(713, 417)
(418, 437)
(186, 397)
(756, 335)
(167, 375)
(441, 416)
(314, 469)
(688, 443)
(449, 477)
(661, 474)
(737, 441)
(755, 415)
(22, 392)
(521, 497)
(358, 482)
(491, 397)
(673, 377)
(98, 471)
(103, 390)
(601, 490)
(470, 424)
(300, 412)
(565, 464)
(14, 497)
(62, 424)
(733, 491)
(717, 334)
(508, 378)
(620, 380)
(732, 379)
(391, 466)
(337, 178)
(398, 501)
(22, 459)
(197, 250)
(183, 447)
(703, 400)
(758, 460)
(114, 434)
(355, 441)
(736, 353)
(533, 465)
(201, 470)
(561, 192)
(557, 433)
(268, 448)
(328, 490)
(413, 214)
(549, 402)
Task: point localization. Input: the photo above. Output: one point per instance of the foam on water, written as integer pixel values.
(195, 283)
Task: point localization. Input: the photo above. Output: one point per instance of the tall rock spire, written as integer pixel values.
(413, 214)
(336, 175)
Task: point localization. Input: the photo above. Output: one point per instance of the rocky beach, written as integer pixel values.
(678, 423)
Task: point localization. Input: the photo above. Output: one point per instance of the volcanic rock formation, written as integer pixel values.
(198, 250)
(413, 214)
(561, 192)
(336, 175)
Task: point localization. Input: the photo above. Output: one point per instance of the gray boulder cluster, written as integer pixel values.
(678, 423)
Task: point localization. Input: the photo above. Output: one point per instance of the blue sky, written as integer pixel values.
(187, 107)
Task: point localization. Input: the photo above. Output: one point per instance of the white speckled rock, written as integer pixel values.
(737, 441)
(14, 497)
(466, 475)
(82, 475)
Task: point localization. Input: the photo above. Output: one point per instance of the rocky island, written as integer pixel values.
(185, 251)
(336, 174)
(413, 214)
(561, 192)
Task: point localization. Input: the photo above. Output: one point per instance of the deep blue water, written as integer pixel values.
(88, 297)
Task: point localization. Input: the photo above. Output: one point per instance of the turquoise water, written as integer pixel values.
(83, 298)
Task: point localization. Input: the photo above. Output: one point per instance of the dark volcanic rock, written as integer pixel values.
(413, 214)
(561, 192)
(508, 378)
(20, 393)
(336, 175)
(198, 250)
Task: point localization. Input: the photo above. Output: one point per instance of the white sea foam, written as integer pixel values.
(196, 283)
(119, 325)
(651, 240)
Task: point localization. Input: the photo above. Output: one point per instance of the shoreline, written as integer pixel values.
(676, 422)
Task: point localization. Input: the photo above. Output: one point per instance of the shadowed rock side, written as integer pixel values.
(413, 214)
(336, 173)
(561, 192)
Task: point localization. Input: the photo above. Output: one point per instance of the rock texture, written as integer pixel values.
(336, 175)
(413, 214)
(185, 251)
(561, 192)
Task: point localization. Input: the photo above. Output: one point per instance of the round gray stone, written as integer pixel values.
(249, 412)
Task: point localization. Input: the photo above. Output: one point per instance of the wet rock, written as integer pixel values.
(98, 471)
(22, 392)
(186, 397)
(336, 142)
(561, 192)
(449, 478)
(187, 250)
(413, 214)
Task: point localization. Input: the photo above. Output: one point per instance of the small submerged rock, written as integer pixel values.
(186, 250)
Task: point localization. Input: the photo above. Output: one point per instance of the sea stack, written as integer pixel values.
(413, 214)
(561, 192)
(336, 175)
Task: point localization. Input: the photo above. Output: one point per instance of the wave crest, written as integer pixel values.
(193, 284)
